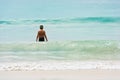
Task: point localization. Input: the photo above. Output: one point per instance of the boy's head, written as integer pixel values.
(41, 26)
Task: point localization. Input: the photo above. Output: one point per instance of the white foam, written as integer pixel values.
(59, 65)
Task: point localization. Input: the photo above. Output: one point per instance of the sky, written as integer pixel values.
(30, 9)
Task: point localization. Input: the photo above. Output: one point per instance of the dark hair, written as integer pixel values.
(41, 26)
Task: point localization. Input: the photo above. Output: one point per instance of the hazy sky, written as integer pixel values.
(20, 9)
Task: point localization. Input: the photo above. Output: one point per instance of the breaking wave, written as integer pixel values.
(64, 20)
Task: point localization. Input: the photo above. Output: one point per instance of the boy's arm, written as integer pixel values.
(46, 37)
(37, 37)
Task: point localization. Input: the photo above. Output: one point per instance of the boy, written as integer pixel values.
(41, 34)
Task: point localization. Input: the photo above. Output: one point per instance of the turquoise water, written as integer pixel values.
(89, 38)
(50, 9)
(64, 20)
(63, 29)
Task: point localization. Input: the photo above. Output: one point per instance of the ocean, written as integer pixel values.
(73, 43)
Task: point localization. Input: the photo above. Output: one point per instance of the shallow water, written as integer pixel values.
(70, 29)
(67, 50)
(71, 41)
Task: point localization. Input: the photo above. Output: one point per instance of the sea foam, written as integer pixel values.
(59, 65)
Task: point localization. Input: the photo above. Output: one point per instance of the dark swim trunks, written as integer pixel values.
(41, 39)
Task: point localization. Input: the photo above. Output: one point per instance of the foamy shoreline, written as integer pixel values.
(59, 65)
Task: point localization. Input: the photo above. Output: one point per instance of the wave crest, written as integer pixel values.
(64, 20)
(64, 50)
